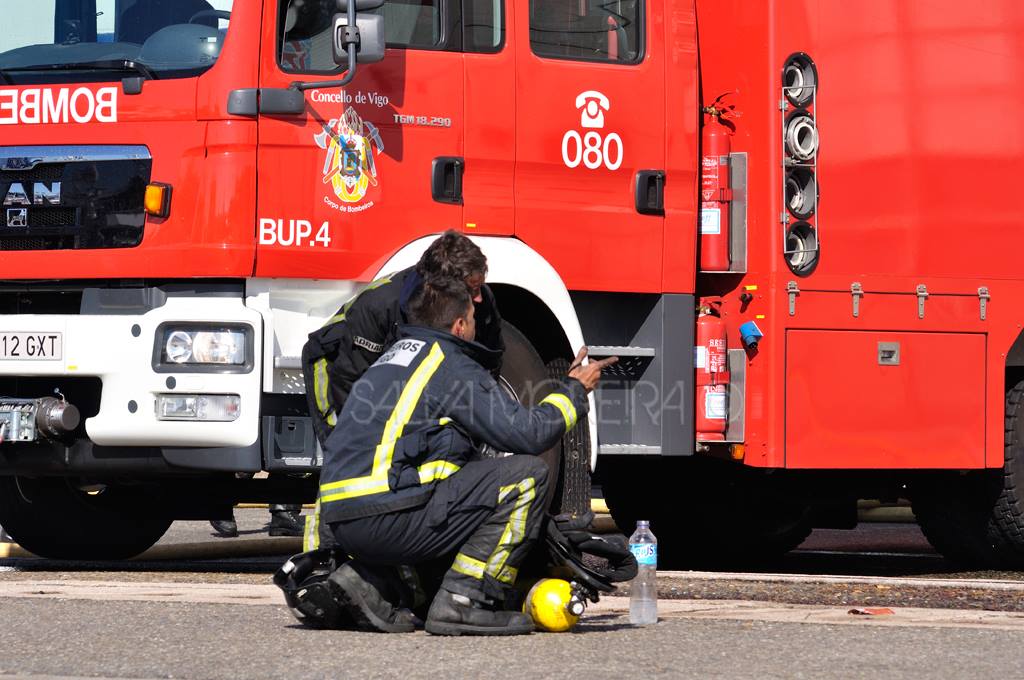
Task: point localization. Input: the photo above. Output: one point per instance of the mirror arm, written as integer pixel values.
(302, 86)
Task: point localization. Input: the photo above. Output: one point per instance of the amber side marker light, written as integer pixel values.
(738, 451)
(158, 199)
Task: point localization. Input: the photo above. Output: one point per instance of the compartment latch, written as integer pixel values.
(857, 292)
(983, 298)
(922, 295)
(792, 290)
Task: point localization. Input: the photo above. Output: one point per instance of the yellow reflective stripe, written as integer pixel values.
(377, 481)
(563, 404)
(436, 470)
(320, 385)
(353, 488)
(311, 533)
(433, 471)
(508, 574)
(444, 421)
(335, 319)
(515, 530)
(464, 564)
(403, 410)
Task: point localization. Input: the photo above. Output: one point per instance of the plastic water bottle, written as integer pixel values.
(643, 592)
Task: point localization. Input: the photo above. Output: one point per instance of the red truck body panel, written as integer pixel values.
(916, 188)
(918, 111)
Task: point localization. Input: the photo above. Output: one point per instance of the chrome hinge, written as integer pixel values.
(793, 290)
(983, 298)
(857, 291)
(922, 295)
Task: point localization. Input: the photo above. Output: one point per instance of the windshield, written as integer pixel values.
(50, 41)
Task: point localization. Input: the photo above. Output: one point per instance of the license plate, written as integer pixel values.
(31, 346)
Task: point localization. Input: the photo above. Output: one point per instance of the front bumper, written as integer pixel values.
(118, 350)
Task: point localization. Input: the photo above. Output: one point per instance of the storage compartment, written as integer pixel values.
(876, 399)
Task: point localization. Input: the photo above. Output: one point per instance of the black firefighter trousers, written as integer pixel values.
(490, 512)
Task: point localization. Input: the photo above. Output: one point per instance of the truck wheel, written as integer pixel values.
(52, 518)
(703, 512)
(526, 373)
(955, 515)
(978, 519)
(575, 478)
(1008, 513)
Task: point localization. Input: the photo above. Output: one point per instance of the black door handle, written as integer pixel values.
(446, 179)
(650, 192)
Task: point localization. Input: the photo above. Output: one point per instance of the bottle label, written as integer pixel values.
(645, 553)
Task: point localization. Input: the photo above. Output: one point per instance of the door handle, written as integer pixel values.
(446, 179)
(650, 192)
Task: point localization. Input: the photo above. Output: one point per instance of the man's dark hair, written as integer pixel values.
(452, 255)
(438, 302)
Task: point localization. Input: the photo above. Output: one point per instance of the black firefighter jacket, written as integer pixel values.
(412, 418)
(338, 353)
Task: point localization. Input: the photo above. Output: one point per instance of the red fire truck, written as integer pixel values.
(758, 206)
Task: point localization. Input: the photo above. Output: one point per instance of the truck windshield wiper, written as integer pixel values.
(98, 65)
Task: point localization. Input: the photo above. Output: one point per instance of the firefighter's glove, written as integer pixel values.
(622, 565)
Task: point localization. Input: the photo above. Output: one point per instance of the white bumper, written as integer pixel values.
(118, 349)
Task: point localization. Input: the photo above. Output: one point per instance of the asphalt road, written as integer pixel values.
(162, 640)
(210, 616)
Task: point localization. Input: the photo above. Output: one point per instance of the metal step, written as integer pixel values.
(632, 363)
(287, 362)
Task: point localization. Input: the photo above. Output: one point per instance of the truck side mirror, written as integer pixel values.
(369, 33)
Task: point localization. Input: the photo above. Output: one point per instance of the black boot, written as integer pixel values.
(225, 528)
(452, 614)
(286, 521)
(370, 595)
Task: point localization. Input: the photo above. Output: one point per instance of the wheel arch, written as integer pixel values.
(531, 296)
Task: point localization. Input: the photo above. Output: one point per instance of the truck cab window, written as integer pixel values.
(93, 40)
(306, 27)
(483, 27)
(587, 30)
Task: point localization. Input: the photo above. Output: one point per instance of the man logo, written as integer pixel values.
(17, 217)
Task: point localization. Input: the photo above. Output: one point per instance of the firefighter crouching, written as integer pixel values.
(399, 485)
(337, 354)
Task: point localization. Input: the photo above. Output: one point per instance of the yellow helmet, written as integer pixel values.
(552, 605)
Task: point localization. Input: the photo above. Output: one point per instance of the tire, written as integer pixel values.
(704, 512)
(1008, 511)
(52, 518)
(955, 515)
(575, 478)
(977, 520)
(527, 375)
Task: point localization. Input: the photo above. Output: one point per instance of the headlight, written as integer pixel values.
(184, 348)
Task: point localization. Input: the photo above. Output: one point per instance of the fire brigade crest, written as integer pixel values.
(349, 144)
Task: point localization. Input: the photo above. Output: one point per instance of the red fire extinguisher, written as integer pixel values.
(715, 189)
(712, 375)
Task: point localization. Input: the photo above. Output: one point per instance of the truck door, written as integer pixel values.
(590, 129)
(349, 180)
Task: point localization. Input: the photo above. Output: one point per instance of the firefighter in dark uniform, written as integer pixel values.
(336, 355)
(400, 485)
